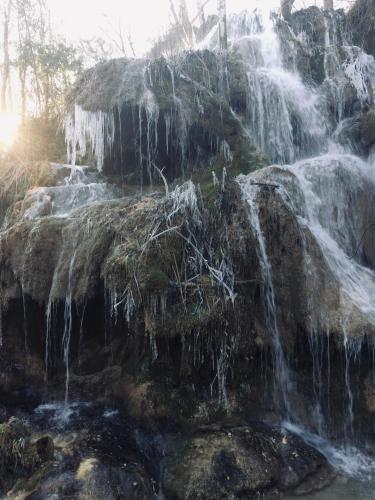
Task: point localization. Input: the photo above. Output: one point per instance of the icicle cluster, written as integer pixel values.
(83, 128)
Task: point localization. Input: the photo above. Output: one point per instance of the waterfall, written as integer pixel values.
(282, 376)
(328, 193)
(333, 189)
(283, 115)
(331, 196)
(292, 120)
(332, 199)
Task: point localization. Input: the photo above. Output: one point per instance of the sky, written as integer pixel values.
(146, 19)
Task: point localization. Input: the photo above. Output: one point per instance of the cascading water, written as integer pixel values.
(75, 189)
(334, 190)
(330, 196)
(282, 377)
(282, 114)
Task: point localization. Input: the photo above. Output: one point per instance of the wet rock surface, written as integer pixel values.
(241, 461)
(137, 334)
(95, 452)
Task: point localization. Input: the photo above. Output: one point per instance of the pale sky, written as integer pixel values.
(146, 19)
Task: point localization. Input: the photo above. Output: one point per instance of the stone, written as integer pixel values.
(240, 461)
(367, 127)
(45, 448)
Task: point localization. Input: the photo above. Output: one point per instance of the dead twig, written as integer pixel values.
(265, 184)
(361, 240)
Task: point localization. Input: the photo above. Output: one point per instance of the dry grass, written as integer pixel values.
(17, 177)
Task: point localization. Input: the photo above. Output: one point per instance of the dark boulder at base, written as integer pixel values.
(242, 462)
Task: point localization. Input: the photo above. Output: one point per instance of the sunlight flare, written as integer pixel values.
(9, 125)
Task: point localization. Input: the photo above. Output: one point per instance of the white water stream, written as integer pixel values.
(329, 195)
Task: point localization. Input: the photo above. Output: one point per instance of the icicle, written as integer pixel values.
(68, 325)
(184, 198)
(215, 180)
(96, 128)
(49, 312)
(167, 119)
(224, 179)
(129, 305)
(173, 81)
(226, 152)
(349, 394)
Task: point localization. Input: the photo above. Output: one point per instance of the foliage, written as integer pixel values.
(38, 64)
(46, 64)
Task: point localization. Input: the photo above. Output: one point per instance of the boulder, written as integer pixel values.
(20, 456)
(241, 462)
(367, 128)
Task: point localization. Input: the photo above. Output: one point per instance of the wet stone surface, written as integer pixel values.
(91, 451)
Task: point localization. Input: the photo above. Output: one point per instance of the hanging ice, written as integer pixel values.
(83, 128)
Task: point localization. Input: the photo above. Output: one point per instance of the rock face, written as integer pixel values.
(213, 299)
(362, 22)
(367, 125)
(112, 291)
(173, 116)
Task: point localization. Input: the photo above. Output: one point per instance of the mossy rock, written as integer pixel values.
(241, 462)
(154, 279)
(175, 403)
(19, 455)
(368, 127)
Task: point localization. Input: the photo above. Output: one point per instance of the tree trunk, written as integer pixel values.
(6, 58)
(183, 15)
(223, 30)
(22, 76)
(181, 18)
(286, 9)
(201, 16)
(328, 4)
